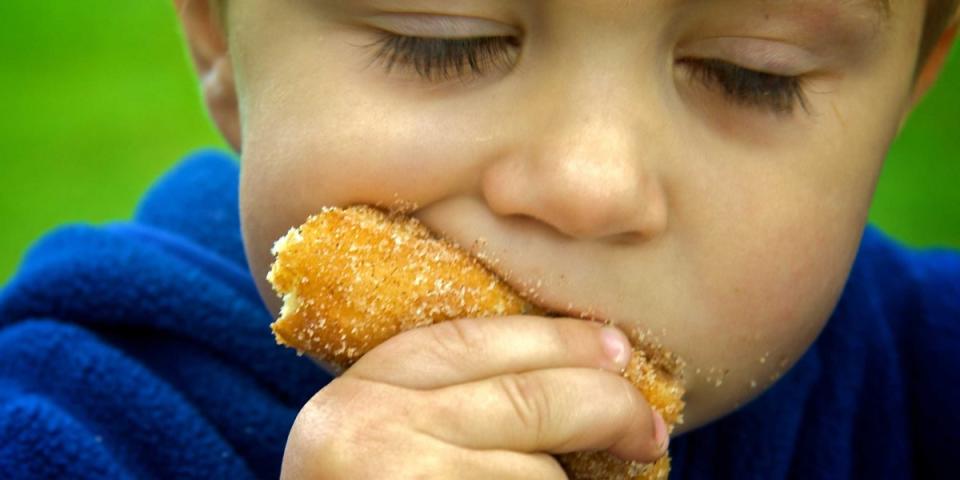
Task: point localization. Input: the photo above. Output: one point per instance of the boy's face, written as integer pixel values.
(607, 153)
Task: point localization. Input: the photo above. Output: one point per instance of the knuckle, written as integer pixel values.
(566, 336)
(458, 339)
(631, 401)
(326, 415)
(430, 464)
(342, 426)
(629, 392)
(310, 450)
(530, 402)
(636, 411)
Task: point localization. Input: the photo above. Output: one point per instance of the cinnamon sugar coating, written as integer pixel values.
(353, 277)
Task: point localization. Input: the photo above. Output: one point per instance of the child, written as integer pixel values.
(701, 170)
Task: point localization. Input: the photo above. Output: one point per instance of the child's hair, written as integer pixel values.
(940, 13)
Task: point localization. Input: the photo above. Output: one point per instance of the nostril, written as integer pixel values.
(625, 218)
(577, 195)
(619, 217)
(586, 221)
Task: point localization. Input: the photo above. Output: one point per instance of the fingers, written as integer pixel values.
(525, 384)
(555, 410)
(350, 430)
(486, 464)
(466, 350)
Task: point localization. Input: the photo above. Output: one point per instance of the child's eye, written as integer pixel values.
(439, 59)
(777, 93)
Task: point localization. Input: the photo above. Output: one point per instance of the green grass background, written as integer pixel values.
(99, 99)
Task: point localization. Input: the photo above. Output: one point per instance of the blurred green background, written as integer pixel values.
(100, 99)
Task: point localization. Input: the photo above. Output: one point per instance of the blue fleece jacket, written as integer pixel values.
(142, 350)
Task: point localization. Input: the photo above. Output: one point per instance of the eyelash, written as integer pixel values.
(777, 93)
(441, 59)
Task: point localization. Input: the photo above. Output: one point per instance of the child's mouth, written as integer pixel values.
(352, 278)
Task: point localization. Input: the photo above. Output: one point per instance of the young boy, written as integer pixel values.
(701, 170)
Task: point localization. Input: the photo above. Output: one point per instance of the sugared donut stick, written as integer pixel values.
(353, 277)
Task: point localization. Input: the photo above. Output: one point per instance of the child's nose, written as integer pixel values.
(587, 179)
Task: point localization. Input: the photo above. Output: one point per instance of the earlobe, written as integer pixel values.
(204, 34)
(208, 48)
(220, 94)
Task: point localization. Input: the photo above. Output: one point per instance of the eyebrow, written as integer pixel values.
(878, 11)
(882, 7)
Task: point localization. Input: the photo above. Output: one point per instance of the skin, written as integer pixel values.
(597, 170)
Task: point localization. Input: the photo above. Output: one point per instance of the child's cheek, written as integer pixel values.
(766, 283)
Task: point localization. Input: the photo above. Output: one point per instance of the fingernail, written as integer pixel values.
(660, 432)
(616, 346)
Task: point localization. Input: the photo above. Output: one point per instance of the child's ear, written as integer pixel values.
(206, 35)
(927, 76)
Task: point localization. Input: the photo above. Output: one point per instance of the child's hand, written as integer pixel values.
(478, 398)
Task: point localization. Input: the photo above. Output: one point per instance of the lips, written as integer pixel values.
(556, 280)
(532, 292)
